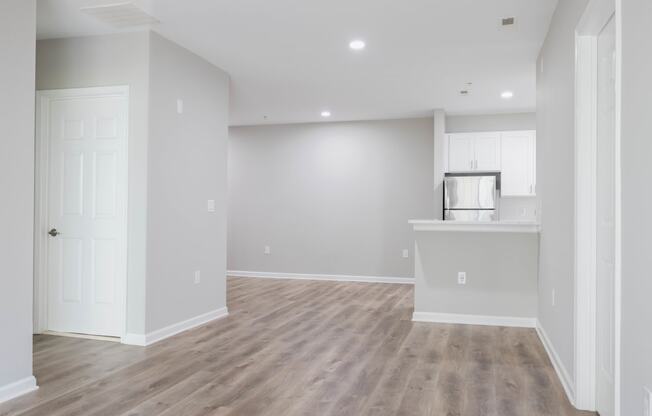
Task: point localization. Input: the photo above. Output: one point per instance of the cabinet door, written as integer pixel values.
(487, 151)
(460, 152)
(518, 163)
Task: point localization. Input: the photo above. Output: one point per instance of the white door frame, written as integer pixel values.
(41, 220)
(595, 17)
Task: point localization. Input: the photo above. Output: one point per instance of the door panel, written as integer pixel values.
(106, 183)
(87, 205)
(460, 153)
(487, 151)
(606, 233)
(71, 254)
(517, 163)
(73, 183)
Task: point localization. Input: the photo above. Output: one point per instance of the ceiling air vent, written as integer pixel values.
(120, 15)
(508, 21)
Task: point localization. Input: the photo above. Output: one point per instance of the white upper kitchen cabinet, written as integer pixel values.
(461, 156)
(487, 151)
(473, 152)
(513, 153)
(518, 169)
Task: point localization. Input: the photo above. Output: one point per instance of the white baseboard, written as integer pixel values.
(455, 318)
(17, 388)
(562, 373)
(150, 338)
(134, 339)
(331, 277)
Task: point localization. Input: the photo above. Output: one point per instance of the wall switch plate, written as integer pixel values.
(406, 253)
(179, 106)
(210, 205)
(523, 212)
(647, 402)
(461, 278)
(197, 277)
(553, 297)
(267, 250)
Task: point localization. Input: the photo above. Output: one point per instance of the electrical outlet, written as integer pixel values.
(197, 277)
(553, 298)
(461, 278)
(406, 253)
(647, 402)
(210, 205)
(267, 250)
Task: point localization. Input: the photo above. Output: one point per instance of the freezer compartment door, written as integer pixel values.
(470, 192)
(470, 215)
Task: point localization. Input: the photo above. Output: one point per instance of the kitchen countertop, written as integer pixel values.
(475, 226)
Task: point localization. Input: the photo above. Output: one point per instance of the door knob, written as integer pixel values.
(53, 232)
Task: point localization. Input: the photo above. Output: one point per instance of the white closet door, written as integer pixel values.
(460, 153)
(87, 214)
(487, 151)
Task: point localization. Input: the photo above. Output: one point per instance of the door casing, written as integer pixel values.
(41, 220)
(595, 17)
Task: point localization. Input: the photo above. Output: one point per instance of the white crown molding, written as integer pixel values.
(150, 338)
(562, 373)
(491, 320)
(17, 388)
(328, 277)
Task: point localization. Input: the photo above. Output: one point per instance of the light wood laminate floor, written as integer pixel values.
(293, 348)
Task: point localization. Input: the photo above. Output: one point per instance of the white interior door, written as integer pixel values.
(487, 151)
(460, 153)
(606, 235)
(87, 175)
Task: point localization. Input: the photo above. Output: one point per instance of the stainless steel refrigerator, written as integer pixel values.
(472, 196)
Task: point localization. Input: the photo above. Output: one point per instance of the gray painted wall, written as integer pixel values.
(187, 167)
(555, 178)
(329, 198)
(636, 148)
(17, 40)
(102, 61)
(491, 122)
(501, 273)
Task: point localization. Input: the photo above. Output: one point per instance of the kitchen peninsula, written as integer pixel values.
(482, 273)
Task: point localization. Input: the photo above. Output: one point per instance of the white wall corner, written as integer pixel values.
(17, 388)
(150, 338)
(562, 373)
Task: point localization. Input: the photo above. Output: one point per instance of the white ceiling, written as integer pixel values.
(289, 59)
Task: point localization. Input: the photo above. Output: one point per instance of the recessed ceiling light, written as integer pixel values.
(507, 94)
(326, 113)
(357, 45)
